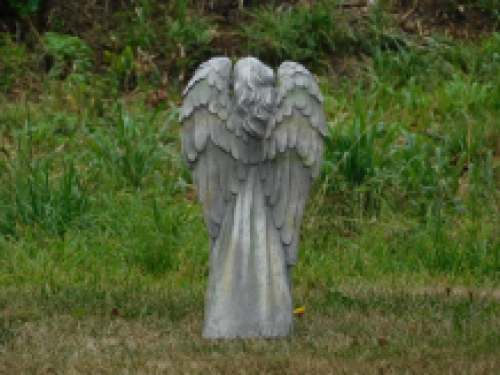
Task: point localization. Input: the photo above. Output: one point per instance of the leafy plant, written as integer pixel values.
(23, 7)
(70, 56)
(121, 66)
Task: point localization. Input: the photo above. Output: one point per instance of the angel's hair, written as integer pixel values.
(253, 73)
(254, 94)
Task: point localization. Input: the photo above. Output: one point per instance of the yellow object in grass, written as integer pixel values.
(299, 310)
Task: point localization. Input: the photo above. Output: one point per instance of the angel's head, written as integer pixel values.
(254, 94)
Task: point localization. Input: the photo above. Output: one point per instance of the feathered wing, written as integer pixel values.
(293, 152)
(207, 142)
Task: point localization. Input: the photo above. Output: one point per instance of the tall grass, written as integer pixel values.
(132, 149)
(37, 195)
(419, 149)
(409, 184)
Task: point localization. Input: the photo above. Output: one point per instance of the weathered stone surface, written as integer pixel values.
(253, 150)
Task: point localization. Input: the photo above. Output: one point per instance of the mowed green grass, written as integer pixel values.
(104, 255)
(352, 329)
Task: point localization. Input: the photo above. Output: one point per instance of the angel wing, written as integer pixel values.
(293, 151)
(219, 150)
(215, 147)
(207, 142)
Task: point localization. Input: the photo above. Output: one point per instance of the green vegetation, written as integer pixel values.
(103, 250)
(491, 6)
(69, 55)
(25, 7)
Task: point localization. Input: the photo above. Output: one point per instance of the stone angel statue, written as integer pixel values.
(253, 150)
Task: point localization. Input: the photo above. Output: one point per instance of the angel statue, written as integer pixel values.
(253, 151)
